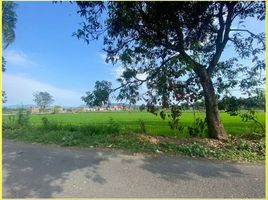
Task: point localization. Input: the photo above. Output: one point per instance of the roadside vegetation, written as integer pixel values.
(174, 50)
(141, 132)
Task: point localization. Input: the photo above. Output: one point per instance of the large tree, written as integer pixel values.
(177, 47)
(100, 95)
(43, 100)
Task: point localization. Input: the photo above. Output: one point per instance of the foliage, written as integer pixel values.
(43, 100)
(4, 97)
(100, 95)
(3, 64)
(45, 122)
(23, 117)
(250, 115)
(232, 105)
(176, 48)
(142, 107)
(9, 20)
(69, 139)
(113, 126)
(234, 150)
(199, 128)
(142, 126)
(175, 117)
(56, 109)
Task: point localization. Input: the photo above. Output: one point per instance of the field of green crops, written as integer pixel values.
(130, 121)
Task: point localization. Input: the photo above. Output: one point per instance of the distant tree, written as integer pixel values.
(142, 107)
(261, 99)
(56, 109)
(177, 46)
(231, 105)
(100, 95)
(43, 100)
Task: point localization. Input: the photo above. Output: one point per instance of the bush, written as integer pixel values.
(195, 150)
(257, 126)
(45, 121)
(69, 139)
(22, 118)
(142, 126)
(199, 128)
(112, 127)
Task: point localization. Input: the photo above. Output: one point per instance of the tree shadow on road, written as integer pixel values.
(29, 172)
(170, 169)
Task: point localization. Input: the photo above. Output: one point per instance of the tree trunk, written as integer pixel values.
(215, 126)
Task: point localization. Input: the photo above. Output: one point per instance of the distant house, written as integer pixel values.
(85, 109)
(35, 110)
(116, 107)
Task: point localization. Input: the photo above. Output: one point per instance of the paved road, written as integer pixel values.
(41, 171)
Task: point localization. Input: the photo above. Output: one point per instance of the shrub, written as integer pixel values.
(45, 121)
(250, 115)
(199, 128)
(22, 117)
(142, 126)
(69, 139)
(112, 127)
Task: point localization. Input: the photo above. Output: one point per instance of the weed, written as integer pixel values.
(257, 126)
(199, 128)
(142, 126)
(112, 127)
(23, 117)
(69, 139)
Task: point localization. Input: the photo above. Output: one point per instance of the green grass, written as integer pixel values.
(121, 130)
(130, 121)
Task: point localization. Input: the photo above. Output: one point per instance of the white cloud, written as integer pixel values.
(102, 56)
(117, 71)
(20, 90)
(18, 58)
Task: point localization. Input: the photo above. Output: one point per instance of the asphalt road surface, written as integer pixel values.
(44, 171)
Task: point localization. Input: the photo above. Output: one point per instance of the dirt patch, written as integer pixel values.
(213, 143)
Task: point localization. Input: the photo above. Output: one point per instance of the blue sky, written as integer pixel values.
(46, 57)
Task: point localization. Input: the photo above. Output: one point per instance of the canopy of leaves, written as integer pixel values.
(167, 42)
(43, 99)
(100, 95)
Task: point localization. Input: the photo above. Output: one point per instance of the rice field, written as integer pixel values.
(130, 121)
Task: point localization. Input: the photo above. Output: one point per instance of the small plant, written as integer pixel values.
(113, 126)
(10, 123)
(199, 128)
(68, 139)
(23, 117)
(45, 122)
(175, 118)
(250, 115)
(142, 126)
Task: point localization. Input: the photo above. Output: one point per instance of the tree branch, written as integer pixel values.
(252, 34)
(130, 82)
(220, 47)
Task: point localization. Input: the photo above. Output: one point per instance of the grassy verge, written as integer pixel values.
(109, 136)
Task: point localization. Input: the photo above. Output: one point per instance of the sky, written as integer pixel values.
(46, 57)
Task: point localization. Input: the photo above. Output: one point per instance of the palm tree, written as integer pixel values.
(9, 19)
